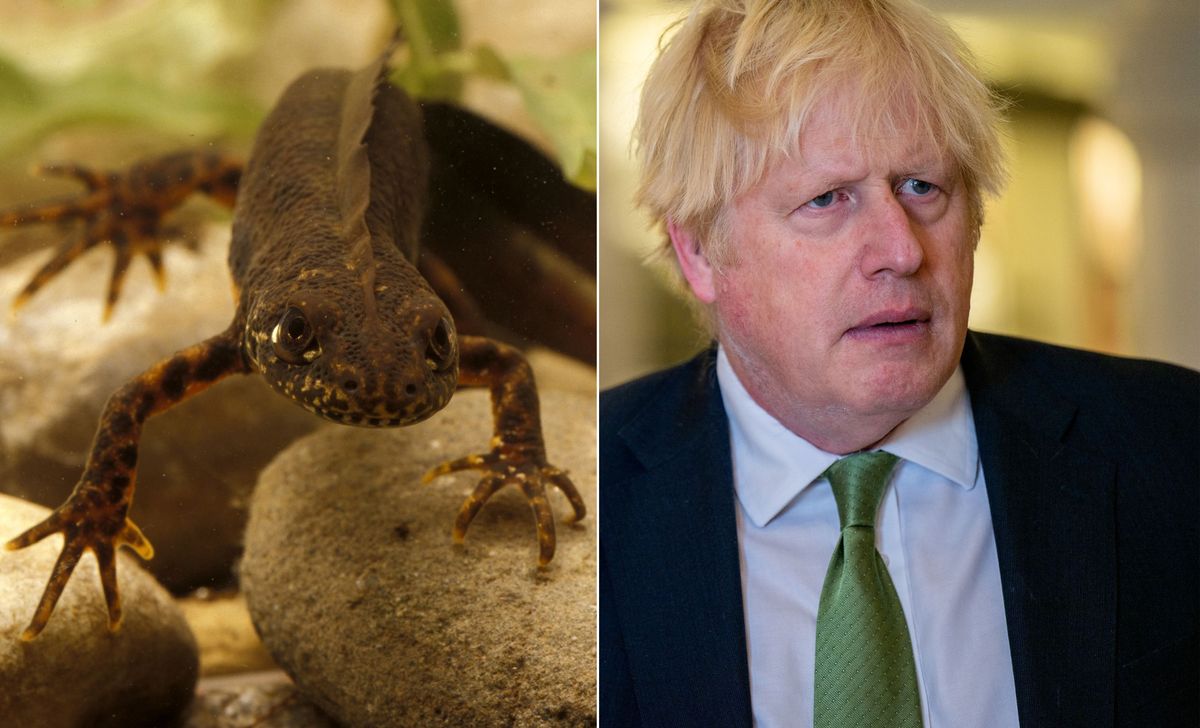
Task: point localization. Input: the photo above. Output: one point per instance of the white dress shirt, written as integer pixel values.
(934, 531)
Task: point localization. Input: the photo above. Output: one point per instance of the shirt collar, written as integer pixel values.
(772, 465)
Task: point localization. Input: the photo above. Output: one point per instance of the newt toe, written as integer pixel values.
(518, 454)
(125, 209)
(85, 528)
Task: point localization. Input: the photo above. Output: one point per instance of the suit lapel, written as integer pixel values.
(687, 652)
(1052, 504)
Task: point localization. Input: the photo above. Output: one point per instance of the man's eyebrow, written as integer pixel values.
(829, 175)
(801, 172)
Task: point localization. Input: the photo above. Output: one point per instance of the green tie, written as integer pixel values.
(865, 675)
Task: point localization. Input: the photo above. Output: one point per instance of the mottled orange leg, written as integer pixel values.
(92, 179)
(518, 454)
(125, 209)
(95, 516)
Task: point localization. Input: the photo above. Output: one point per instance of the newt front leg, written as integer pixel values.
(95, 516)
(518, 454)
(125, 209)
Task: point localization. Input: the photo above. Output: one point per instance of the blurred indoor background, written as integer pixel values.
(1095, 242)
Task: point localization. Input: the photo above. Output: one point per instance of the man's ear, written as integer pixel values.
(693, 262)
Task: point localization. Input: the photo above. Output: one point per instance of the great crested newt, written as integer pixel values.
(331, 307)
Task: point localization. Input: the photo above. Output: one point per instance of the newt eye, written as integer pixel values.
(294, 339)
(439, 354)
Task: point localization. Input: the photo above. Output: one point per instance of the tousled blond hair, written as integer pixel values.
(731, 91)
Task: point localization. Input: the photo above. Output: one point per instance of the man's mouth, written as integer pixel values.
(892, 324)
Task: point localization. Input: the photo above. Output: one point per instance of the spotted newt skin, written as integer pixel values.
(331, 308)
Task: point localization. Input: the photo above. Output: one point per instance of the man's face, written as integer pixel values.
(844, 310)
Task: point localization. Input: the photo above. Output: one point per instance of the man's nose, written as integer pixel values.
(892, 243)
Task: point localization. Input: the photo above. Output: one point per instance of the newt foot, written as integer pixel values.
(125, 209)
(84, 527)
(529, 473)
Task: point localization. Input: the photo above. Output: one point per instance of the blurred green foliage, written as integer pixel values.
(559, 93)
(561, 97)
(179, 69)
(433, 34)
(33, 110)
(153, 66)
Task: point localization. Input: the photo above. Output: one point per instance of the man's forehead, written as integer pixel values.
(846, 129)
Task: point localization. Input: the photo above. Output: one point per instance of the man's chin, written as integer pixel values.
(901, 389)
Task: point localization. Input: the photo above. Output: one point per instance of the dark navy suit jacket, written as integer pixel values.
(1092, 472)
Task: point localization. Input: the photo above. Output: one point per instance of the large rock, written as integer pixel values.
(77, 673)
(198, 461)
(357, 589)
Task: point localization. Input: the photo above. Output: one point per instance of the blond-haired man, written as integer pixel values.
(1028, 512)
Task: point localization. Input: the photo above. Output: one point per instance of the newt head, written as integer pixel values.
(393, 364)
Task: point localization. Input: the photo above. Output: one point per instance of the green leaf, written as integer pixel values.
(487, 63)
(17, 88)
(430, 27)
(560, 95)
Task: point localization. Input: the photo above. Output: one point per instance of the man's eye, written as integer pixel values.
(824, 200)
(917, 187)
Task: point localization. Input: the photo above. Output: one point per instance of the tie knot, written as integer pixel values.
(858, 482)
